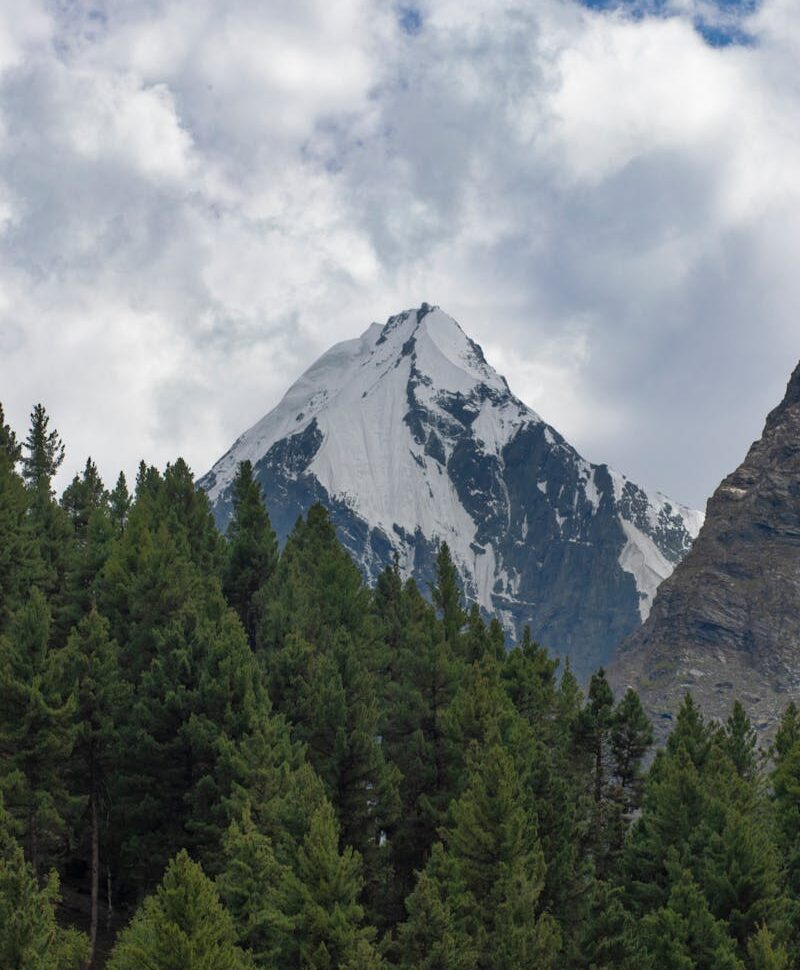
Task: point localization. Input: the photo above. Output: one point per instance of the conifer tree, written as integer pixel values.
(447, 595)
(739, 742)
(252, 553)
(86, 503)
(44, 456)
(187, 512)
(529, 676)
(37, 706)
(84, 495)
(119, 502)
(330, 919)
(499, 867)
(435, 935)
(765, 953)
(315, 591)
(786, 795)
(30, 937)
(788, 732)
(20, 563)
(684, 933)
(183, 924)
(9, 446)
(45, 453)
(338, 720)
(631, 737)
(253, 885)
(92, 663)
(692, 733)
(421, 677)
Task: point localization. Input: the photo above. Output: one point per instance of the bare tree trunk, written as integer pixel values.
(110, 909)
(95, 893)
(34, 845)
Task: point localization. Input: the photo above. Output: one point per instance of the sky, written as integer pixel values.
(199, 197)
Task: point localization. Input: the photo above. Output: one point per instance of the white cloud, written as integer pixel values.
(196, 198)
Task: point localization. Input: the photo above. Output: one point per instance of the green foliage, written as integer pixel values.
(37, 732)
(30, 937)
(20, 561)
(9, 446)
(252, 548)
(447, 595)
(182, 925)
(739, 742)
(45, 453)
(434, 937)
(684, 933)
(315, 591)
(371, 778)
(765, 953)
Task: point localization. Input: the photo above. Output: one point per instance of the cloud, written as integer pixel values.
(198, 198)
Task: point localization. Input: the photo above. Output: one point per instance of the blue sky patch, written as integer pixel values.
(720, 25)
(410, 19)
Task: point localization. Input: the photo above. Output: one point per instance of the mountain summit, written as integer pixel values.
(411, 438)
(726, 624)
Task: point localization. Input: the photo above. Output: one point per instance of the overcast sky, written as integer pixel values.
(198, 197)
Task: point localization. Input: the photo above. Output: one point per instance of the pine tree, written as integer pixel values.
(182, 925)
(315, 591)
(330, 920)
(447, 595)
(120, 504)
(631, 737)
(433, 937)
(252, 548)
(30, 937)
(9, 446)
(20, 563)
(253, 886)
(684, 934)
(338, 720)
(45, 453)
(739, 742)
(692, 733)
(84, 495)
(786, 795)
(199, 693)
(765, 953)
(86, 503)
(92, 663)
(529, 676)
(494, 843)
(37, 706)
(422, 676)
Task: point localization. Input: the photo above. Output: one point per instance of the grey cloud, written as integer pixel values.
(198, 198)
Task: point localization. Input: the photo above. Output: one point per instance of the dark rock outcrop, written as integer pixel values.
(726, 624)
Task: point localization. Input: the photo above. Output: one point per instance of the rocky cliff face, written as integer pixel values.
(410, 438)
(726, 624)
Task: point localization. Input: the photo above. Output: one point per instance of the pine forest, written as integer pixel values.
(216, 754)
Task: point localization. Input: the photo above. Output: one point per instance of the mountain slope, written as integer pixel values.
(727, 623)
(411, 438)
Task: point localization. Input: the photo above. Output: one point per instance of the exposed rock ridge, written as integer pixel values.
(726, 624)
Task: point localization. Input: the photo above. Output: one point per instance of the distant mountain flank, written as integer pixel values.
(411, 438)
(726, 624)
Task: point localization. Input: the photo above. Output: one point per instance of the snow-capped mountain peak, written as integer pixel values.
(411, 438)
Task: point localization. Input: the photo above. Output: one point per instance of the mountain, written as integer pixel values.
(410, 437)
(726, 624)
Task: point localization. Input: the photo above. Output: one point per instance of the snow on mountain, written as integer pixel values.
(411, 438)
